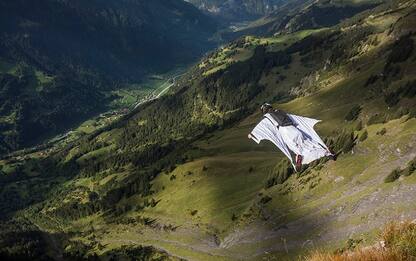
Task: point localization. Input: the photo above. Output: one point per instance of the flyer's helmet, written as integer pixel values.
(266, 107)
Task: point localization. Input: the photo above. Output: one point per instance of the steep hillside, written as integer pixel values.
(60, 60)
(179, 175)
(300, 15)
(118, 40)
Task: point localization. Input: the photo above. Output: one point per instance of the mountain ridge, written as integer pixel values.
(237, 10)
(298, 15)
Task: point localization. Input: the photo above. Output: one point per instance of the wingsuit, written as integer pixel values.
(291, 133)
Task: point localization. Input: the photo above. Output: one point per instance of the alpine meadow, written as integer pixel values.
(208, 130)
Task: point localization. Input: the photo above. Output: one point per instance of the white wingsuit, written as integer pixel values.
(300, 138)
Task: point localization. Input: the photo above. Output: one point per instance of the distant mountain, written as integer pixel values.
(238, 10)
(263, 25)
(116, 38)
(299, 15)
(319, 14)
(59, 57)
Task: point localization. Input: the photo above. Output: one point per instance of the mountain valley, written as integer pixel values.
(56, 73)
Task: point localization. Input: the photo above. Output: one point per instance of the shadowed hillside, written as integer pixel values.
(61, 61)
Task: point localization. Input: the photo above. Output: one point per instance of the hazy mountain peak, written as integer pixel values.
(238, 10)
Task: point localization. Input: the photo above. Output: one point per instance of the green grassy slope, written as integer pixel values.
(227, 187)
(329, 203)
(205, 197)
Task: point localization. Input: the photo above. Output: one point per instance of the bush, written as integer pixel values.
(353, 113)
(153, 203)
(393, 176)
(367, 255)
(343, 142)
(353, 243)
(382, 132)
(409, 90)
(401, 237)
(280, 173)
(359, 126)
(364, 136)
(349, 144)
(411, 167)
(399, 113)
(371, 80)
(171, 168)
(392, 71)
(412, 113)
(173, 177)
(377, 118)
(93, 196)
(406, 91)
(400, 244)
(265, 199)
(401, 50)
(126, 253)
(392, 98)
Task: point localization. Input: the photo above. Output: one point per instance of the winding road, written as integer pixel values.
(153, 96)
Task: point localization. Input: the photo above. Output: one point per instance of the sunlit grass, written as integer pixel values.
(397, 242)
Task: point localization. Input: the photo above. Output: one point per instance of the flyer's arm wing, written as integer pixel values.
(306, 125)
(266, 130)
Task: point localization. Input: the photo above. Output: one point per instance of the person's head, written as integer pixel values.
(266, 108)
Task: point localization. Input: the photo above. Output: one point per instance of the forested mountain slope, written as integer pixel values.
(300, 15)
(180, 176)
(60, 59)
